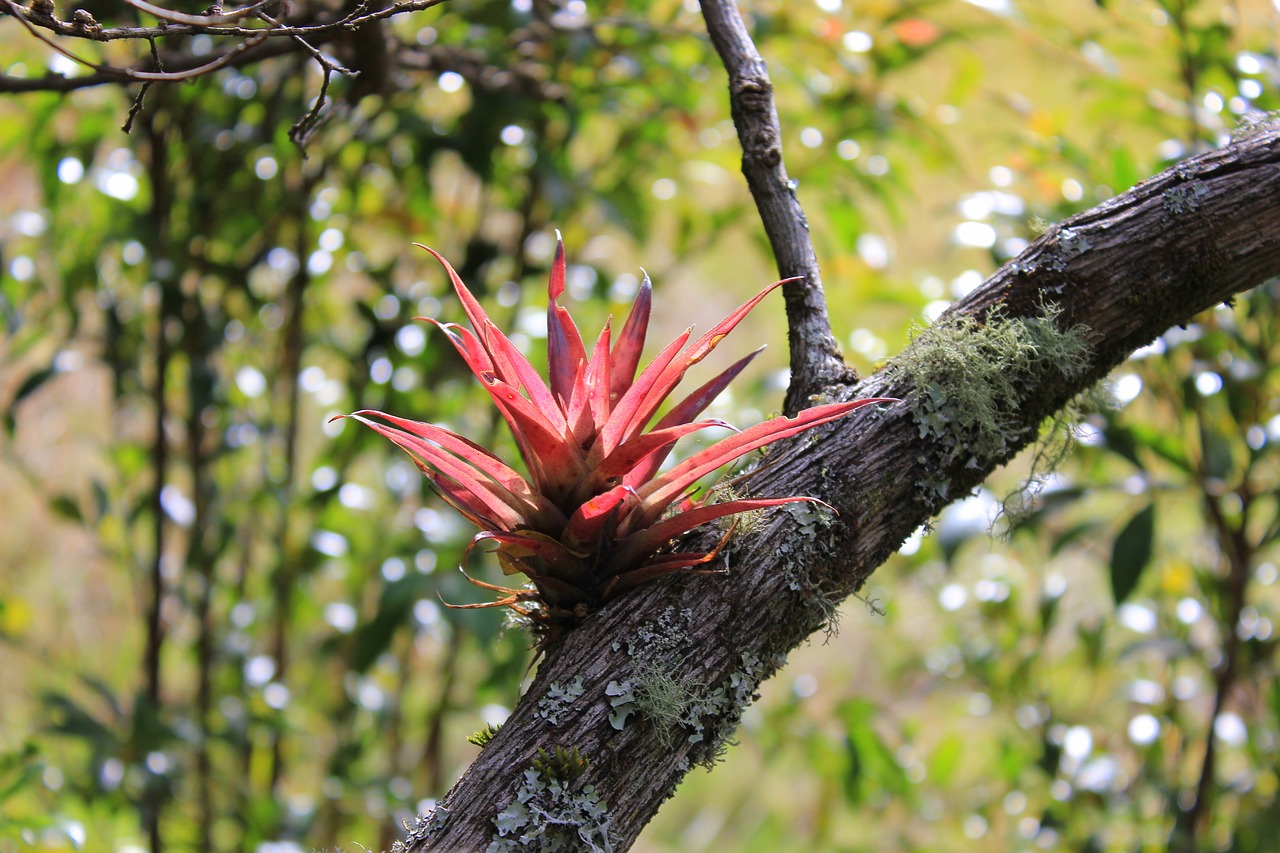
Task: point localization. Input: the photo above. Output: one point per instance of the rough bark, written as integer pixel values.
(1127, 270)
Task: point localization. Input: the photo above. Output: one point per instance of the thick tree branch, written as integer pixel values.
(1127, 270)
(815, 356)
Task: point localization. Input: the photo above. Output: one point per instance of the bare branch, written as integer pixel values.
(136, 107)
(174, 62)
(132, 73)
(815, 354)
(302, 130)
(197, 20)
(322, 24)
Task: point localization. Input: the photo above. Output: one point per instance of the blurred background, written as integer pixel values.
(220, 615)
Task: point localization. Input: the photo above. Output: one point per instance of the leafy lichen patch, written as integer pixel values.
(559, 699)
(681, 707)
(1184, 198)
(810, 543)
(549, 814)
(660, 638)
(422, 828)
(622, 699)
(713, 716)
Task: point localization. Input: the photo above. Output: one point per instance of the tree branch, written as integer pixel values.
(321, 24)
(249, 43)
(815, 355)
(1127, 270)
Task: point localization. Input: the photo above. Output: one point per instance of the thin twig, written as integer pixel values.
(1193, 823)
(136, 107)
(258, 35)
(328, 62)
(59, 83)
(357, 18)
(197, 20)
(302, 130)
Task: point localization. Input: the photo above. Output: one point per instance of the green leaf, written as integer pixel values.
(66, 507)
(1127, 441)
(28, 386)
(945, 759)
(1131, 552)
(872, 767)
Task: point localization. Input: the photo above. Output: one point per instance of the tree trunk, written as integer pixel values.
(685, 655)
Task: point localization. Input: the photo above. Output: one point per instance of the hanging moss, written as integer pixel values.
(968, 376)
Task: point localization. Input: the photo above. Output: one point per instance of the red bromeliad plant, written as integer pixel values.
(592, 518)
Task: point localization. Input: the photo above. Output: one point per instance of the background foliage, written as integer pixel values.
(220, 618)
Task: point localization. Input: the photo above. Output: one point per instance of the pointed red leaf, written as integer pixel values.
(630, 345)
(475, 312)
(642, 543)
(587, 523)
(508, 363)
(557, 464)
(590, 389)
(517, 365)
(686, 410)
(565, 351)
(597, 378)
(643, 405)
(473, 453)
(632, 412)
(705, 344)
(555, 282)
(467, 345)
(662, 384)
(625, 458)
(483, 495)
(658, 494)
(693, 405)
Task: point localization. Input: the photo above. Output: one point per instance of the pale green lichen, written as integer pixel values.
(684, 707)
(559, 699)
(810, 541)
(622, 699)
(967, 375)
(1254, 122)
(706, 716)
(549, 814)
(1184, 198)
(422, 828)
(659, 638)
(656, 644)
(712, 717)
(658, 694)
(662, 696)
